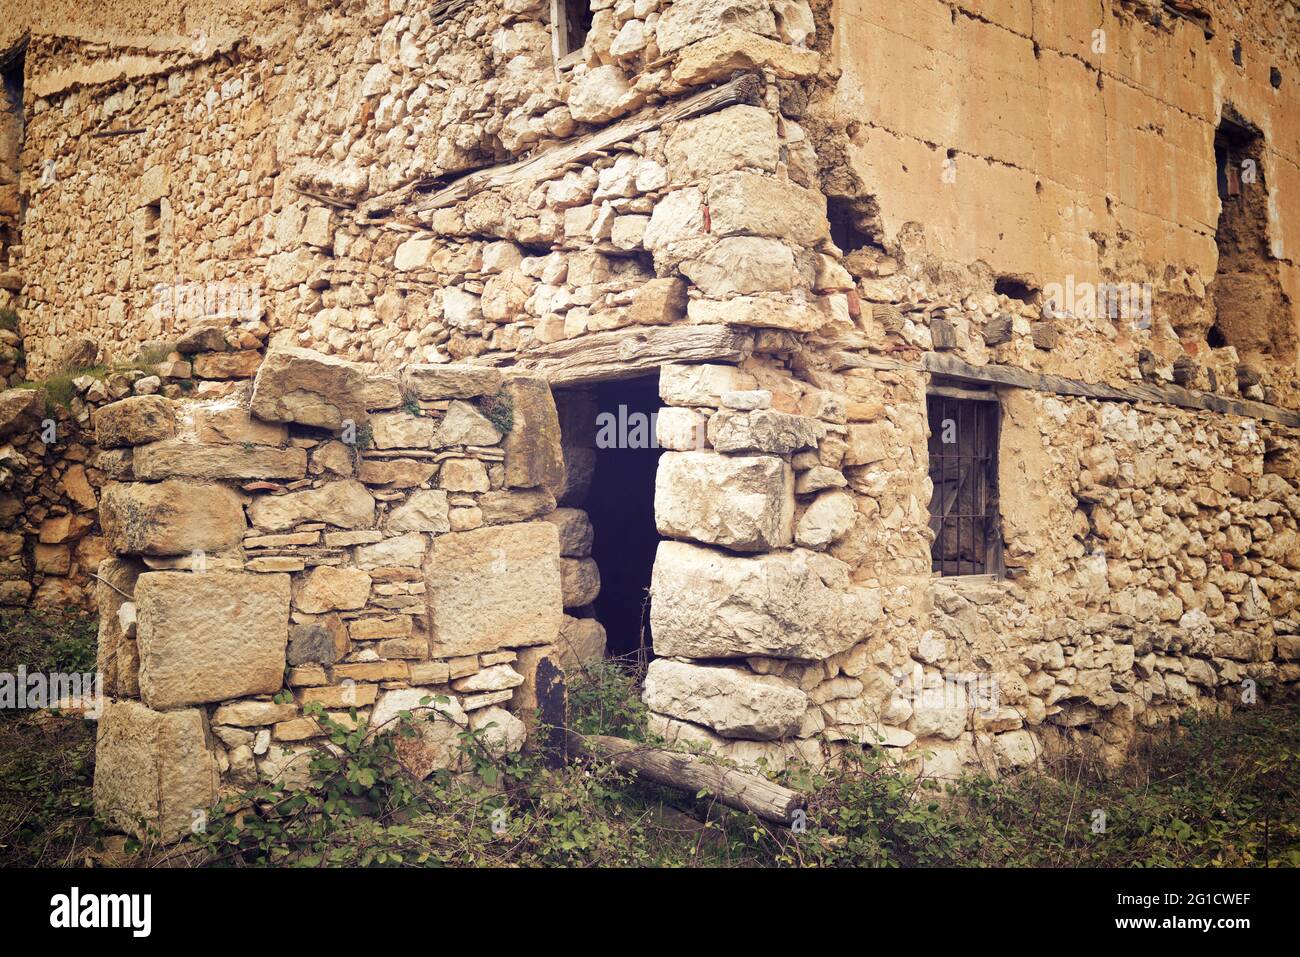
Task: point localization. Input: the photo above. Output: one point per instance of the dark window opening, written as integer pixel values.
(572, 24)
(609, 431)
(151, 229)
(1014, 288)
(1248, 308)
(964, 470)
(851, 224)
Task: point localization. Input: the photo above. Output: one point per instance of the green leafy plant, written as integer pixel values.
(1208, 791)
(60, 639)
(605, 698)
(499, 410)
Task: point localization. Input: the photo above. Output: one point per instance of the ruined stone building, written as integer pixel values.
(968, 329)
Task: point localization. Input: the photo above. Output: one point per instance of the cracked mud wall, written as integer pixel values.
(1063, 160)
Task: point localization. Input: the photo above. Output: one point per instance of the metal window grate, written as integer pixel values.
(964, 469)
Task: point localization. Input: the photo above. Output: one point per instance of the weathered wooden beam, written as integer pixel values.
(742, 89)
(627, 353)
(1164, 394)
(736, 789)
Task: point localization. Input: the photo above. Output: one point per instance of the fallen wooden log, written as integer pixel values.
(736, 789)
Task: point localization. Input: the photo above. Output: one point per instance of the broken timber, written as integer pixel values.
(694, 773)
(742, 89)
(636, 350)
(955, 369)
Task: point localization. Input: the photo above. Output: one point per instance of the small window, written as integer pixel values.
(570, 21)
(151, 230)
(964, 469)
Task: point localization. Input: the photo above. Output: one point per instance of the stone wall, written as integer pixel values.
(413, 193)
(320, 534)
(50, 543)
(1151, 555)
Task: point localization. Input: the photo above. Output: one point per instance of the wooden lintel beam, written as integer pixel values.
(627, 353)
(1164, 394)
(950, 367)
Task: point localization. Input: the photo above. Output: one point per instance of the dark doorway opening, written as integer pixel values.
(621, 508)
(12, 132)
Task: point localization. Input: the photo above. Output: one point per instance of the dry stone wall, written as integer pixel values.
(321, 534)
(1151, 558)
(378, 214)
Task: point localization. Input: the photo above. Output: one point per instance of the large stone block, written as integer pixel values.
(450, 382)
(344, 504)
(170, 518)
(678, 217)
(176, 458)
(20, 409)
(797, 313)
(541, 701)
(492, 588)
(701, 385)
(687, 21)
(576, 534)
(741, 265)
(579, 581)
(299, 385)
(793, 604)
(229, 421)
(210, 636)
(581, 640)
(733, 702)
(153, 771)
(720, 57)
(737, 137)
(141, 418)
(763, 430)
(744, 502)
(534, 456)
(742, 203)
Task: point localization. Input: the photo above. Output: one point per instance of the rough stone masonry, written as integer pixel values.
(314, 276)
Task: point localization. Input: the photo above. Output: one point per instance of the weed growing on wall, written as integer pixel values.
(499, 410)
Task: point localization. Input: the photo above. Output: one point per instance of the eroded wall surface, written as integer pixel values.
(1048, 141)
